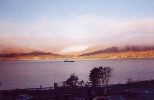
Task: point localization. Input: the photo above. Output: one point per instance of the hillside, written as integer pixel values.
(35, 55)
(120, 50)
(112, 52)
(130, 54)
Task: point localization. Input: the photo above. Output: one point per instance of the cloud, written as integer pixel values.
(72, 49)
(76, 34)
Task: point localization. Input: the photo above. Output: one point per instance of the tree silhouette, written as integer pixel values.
(107, 74)
(87, 84)
(100, 75)
(72, 80)
(81, 83)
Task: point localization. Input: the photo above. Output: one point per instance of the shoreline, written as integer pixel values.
(134, 89)
(114, 55)
(62, 59)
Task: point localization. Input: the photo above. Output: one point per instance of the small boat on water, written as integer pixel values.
(68, 60)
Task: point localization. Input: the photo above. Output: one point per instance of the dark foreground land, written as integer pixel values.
(143, 90)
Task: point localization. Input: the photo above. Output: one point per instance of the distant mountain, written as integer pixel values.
(35, 53)
(120, 49)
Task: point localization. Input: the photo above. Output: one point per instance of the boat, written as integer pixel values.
(68, 60)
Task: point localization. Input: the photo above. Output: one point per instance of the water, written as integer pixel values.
(32, 74)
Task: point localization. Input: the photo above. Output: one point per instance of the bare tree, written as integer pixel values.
(72, 80)
(106, 74)
(81, 83)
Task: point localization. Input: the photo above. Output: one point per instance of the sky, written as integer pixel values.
(64, 26)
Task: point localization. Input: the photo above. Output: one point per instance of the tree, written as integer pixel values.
(100, 75)
(81, 83)
(72, 80)
(107, 74)
(87, 84)
(129, 81)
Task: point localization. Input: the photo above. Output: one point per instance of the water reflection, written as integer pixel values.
(26, 74)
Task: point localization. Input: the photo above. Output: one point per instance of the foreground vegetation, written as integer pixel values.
(132, 91)
(98, 76)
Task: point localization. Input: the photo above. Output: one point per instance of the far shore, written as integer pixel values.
(114, 55)
(71, 58)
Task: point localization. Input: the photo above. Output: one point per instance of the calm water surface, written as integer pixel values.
(29, 74)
